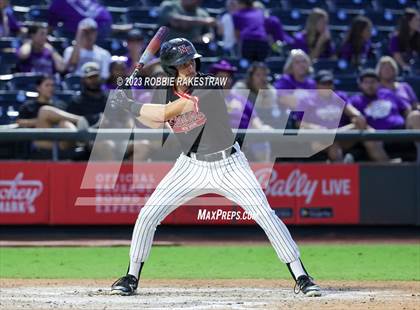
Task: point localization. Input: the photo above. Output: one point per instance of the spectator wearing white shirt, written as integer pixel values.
(226, 28)
(85, 50)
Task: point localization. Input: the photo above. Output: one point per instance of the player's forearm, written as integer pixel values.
(149, 123)
(164, 112)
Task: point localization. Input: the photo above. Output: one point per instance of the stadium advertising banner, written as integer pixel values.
(52, 193)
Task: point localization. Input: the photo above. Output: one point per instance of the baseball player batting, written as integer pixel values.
(211, 162)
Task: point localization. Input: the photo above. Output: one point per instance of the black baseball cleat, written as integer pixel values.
(125, 286)
(305, 285)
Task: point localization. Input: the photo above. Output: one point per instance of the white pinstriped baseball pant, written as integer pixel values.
(231, 177)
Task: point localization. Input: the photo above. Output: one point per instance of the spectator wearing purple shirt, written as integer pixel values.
(315, 39)
(404, 45)
(357, 45)
(328, 108)
(387, 70)
(250, 30)
(295, 78)
(8, 24)
(381, 107)
(241, 111)
(71, 12)
(37, 55)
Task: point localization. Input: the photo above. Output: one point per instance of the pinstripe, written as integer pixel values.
(178, 194)
(281, 246)
(250, 207)
(289, 243)
(179, 199)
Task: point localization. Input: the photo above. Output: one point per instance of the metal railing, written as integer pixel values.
(273, 135)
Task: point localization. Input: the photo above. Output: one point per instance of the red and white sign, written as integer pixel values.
(23, 194)
(63, 193)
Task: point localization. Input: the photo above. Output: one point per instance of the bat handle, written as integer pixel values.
(137, 69)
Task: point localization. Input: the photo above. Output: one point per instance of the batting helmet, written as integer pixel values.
(176, 52)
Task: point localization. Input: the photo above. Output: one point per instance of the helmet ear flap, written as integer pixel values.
(197, 64)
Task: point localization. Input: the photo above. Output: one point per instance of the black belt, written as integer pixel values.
(216, 156)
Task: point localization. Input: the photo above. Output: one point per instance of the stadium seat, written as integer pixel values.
(351, 5)
(208, 49)
(9, 42)
(38, 13)
(414, 81)
(275, 64)
(8, 60)
(29, 2)
(308, 4)
(213, 4)
(290, 18)
(65, 96)
(119, 14)
(347, 84)
(114, 46)
(59, 44)
(143, 15)
(339, 67)
(397, 5)
(342, 17)
(24, 81)
(386, 19)
(71, 82)
(9, 105)
(122, 3)
(20, 12)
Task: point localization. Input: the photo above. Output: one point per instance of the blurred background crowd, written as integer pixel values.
(59, 59)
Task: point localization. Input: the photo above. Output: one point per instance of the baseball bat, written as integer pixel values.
(151, 49)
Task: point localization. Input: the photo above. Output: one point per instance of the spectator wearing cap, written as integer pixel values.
(135, 47)
(327, 108)
(404, 45)
(249, 23)
(117, 70)
(226, 29)
(9, 25)
(380, 106)
(387, 70)
(47, 112)
(315, 39)
(71, 12)
(37, 55)
(241, 111)
(92, 98)
(357, 44)
(186, 19)
(85, 50)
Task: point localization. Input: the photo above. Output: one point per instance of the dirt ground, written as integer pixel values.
(206, 294)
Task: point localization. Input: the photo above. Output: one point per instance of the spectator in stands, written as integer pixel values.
(91, 101)
(250, 31)
(37, 55)
(257, 79)
(241, 111)
(117, 69)
(9, 25)
(46, 112)
(405, 43)
(186, 19)
(327, 108)
(387, 71)
(315, 39)
(381, 107)
(135, 46)
(295, 78)
(72, 12)
(357, 45)
(226, 29)
(274, 28)
(85, 50)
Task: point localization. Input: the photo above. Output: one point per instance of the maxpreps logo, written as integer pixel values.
(18, 195)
